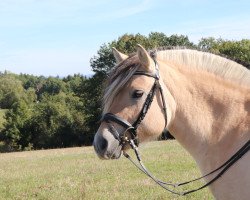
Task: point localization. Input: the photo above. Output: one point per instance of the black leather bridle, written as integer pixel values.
(132, 128)
(133, 140)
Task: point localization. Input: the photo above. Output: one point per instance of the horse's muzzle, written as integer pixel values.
(106, 146)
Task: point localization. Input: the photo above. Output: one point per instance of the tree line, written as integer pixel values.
(53, 112)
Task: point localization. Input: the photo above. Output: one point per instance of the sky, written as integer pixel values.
(59, 37)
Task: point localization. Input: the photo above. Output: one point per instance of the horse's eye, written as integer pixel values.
(137, 94)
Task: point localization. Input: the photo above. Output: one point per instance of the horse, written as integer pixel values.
(203, 99)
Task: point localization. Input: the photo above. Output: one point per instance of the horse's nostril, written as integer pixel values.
(100, 144)
(103, 144)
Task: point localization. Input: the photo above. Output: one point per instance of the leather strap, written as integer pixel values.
(116, 119)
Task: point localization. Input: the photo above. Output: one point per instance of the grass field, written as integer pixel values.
(77, 173)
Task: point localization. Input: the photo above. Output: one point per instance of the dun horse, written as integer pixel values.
(201, 98)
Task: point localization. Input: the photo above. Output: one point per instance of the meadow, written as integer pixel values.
(77, 173)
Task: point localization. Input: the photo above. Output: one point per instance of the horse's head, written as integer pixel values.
(133, 105)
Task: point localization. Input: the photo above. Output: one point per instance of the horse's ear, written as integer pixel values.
(119, 57)
(145, 58)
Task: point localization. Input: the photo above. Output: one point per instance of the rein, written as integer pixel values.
(243, 150)
(134, 142)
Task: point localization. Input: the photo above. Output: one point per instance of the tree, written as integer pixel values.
(236, 50)
(73, 83)
(104, 61)
(158, 39)
(11, 90)
(208, 44)
(14, 133)
(179, 40)
(128, 42)
(93, 88)
(31, 81)
(52, 86)
(58, 119)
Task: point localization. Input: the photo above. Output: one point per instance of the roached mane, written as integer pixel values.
(215, 64)
(188, 58)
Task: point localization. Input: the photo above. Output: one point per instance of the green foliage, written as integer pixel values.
(236, 50)
(11, 91)
(52, 86)
(2, 119)
(208, 44)
(104, 61)
(93, 95)
(56, 122)
(31, 81)
(128, 42)
(161, 40)
(14, 128)
(74, 83)
(47, 115)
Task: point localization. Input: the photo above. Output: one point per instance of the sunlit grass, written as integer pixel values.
(77, 173)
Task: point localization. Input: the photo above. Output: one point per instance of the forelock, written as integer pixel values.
(118, 78)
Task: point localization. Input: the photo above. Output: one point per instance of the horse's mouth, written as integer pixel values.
(114, 153)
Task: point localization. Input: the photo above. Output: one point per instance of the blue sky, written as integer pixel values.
(58, 37)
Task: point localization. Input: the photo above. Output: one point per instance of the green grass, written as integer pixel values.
(77, 173)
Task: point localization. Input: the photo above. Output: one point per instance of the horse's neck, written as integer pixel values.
(210, 115)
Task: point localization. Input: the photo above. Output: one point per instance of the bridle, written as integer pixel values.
(133, 140)
(132, 128)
